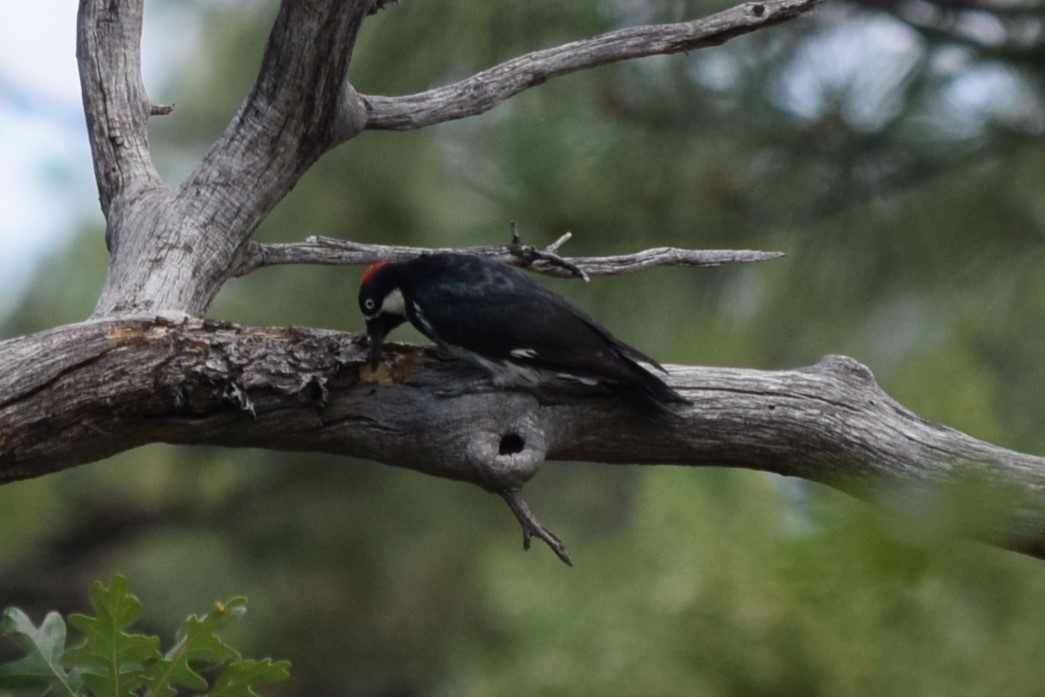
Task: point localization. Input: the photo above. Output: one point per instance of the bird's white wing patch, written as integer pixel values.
(570, 378)
(426, 326)
(523, 353)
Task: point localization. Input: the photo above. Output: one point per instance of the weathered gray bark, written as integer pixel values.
(485, 90)
(82, 392)
(324, 250)
(173, 247)
(105, 386)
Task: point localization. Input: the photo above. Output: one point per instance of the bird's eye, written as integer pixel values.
(369, 304)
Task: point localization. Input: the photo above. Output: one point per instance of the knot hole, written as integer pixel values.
(511, 443)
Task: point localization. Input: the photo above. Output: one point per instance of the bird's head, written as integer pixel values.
(382, 304)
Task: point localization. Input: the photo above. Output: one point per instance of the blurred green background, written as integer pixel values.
(894, 151)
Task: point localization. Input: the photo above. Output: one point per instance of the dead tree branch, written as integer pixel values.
(335, 252)
(485, 90)
(77, 393)
(115, 103)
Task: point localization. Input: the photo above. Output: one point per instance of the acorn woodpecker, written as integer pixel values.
(521, 333)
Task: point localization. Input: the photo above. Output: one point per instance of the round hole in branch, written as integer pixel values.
(511, 443)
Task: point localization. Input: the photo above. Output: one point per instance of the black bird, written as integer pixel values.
(523, 334)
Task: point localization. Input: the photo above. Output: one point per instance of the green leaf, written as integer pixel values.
(113, 660)
(241, 677)
(44, 648)
(196, 647)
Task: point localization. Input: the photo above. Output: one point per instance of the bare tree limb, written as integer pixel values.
(485, 90)
(115, 103)
(77, 393)
(297, 109)
(335, 252)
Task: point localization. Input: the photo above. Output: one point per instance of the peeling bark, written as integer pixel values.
(110, 385)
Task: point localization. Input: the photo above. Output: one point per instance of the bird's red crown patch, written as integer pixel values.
(371, 269)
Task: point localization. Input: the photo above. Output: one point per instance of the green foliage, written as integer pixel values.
(111, 662)
(44, 654)
(240, 677)
(196, 643)
(720, 587)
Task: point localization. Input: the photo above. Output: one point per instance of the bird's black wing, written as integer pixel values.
(603, 356)
(512, 318)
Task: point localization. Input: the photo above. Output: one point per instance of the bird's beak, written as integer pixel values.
(375, 331)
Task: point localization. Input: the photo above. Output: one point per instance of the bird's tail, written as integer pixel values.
(647, 393)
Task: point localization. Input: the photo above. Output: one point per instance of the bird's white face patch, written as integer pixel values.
(393, 304)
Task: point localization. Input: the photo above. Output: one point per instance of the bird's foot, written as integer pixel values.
(531, 527)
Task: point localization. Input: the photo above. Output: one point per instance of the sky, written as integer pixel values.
(46, 175)
(45, 163)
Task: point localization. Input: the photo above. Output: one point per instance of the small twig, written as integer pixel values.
(160, 109)
(531, 527)
(554, 246)
(528, 254)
